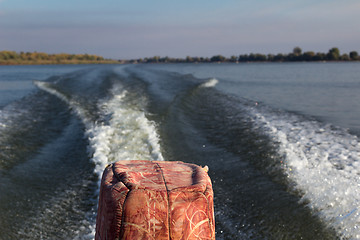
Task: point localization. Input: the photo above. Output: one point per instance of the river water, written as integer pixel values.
(280, 139)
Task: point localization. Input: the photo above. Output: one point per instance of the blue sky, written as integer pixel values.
(125, 29)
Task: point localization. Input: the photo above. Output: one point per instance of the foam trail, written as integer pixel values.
(122, 133)
(125, 133)
(73, 104)
(210, 83)
(324, 164)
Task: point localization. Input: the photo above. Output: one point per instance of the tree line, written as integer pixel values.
(297, 55)
(23, 58)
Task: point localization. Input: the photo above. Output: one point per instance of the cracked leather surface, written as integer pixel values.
(155, 200)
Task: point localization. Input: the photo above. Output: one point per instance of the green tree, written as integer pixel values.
(270, 57)
(243, 58)
(260, 57)
(297, 51)
(197, 59)
(165, 59)
(290, 57)
(233, 58)
(345, 57)
(8, 55)
(319, 57)
(354, 55)
(154, 59)
(189, 59)
(279, 57)
(217, 58)
(333, 54)
(308, 56)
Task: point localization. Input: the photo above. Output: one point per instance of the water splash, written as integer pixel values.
(210, 83)
(121, 132)
(124, 133)
(323, 163)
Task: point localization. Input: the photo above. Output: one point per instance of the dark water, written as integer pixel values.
(281, 142)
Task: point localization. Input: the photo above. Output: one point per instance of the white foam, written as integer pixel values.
(125, 135)
(3, 118)
(323, 163)
(124, 132)
(76, 107)
(210, 83)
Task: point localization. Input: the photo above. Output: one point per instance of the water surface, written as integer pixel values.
(281, 142)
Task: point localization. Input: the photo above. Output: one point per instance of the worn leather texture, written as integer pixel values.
(155, 200)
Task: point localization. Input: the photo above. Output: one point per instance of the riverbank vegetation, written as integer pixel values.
(297, 55)
(39, 58)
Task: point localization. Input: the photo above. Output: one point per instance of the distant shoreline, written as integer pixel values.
(333, 55)
(58, 63)
(35, 58)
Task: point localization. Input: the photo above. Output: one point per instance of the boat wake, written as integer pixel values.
(322, 163)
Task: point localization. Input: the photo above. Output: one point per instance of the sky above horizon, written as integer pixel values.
(122, 29)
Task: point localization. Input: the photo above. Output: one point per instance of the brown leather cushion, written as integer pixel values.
(155, 200)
